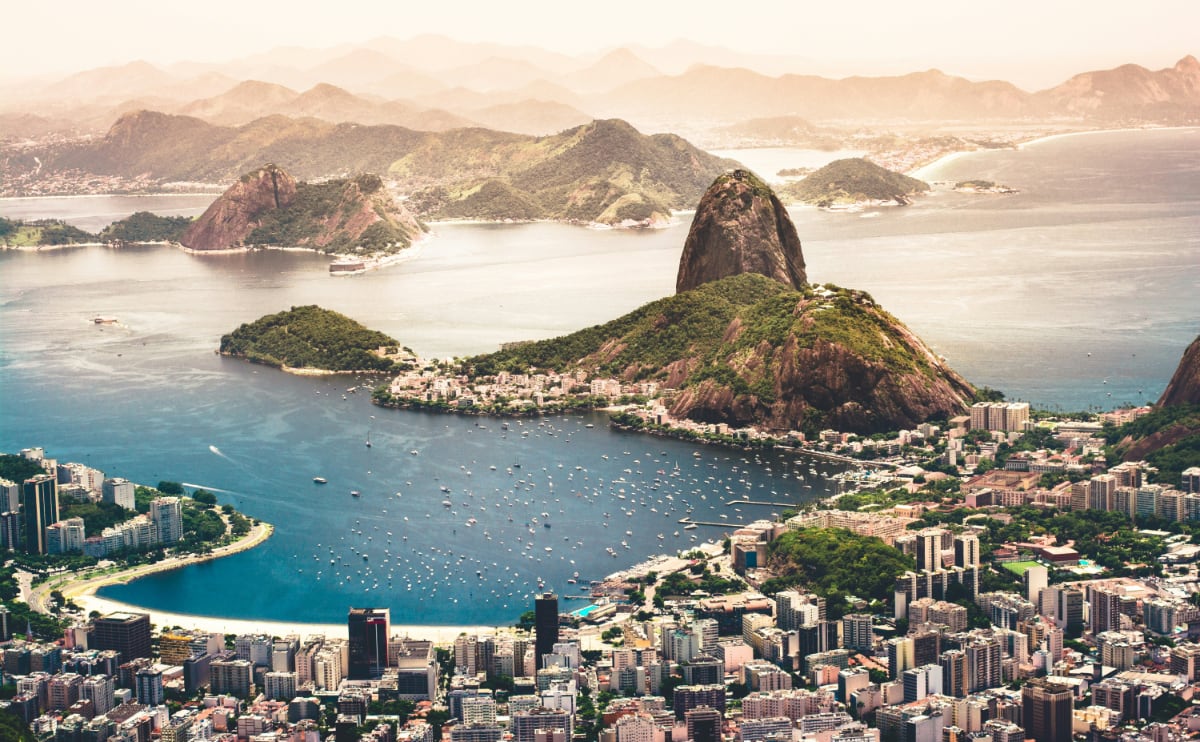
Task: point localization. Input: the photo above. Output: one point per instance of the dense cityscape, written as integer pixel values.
(1040, 594)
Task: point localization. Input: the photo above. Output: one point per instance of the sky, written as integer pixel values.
(1033, 43)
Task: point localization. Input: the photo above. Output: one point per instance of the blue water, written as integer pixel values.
(1080, 291)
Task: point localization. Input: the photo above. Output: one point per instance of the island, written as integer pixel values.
(851, 181)
(311, 340)
(982, 186)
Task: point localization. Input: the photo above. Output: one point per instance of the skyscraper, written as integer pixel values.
(127, 633)
(1046, 710)
(368, 629)
(545, 624)
(39, 508)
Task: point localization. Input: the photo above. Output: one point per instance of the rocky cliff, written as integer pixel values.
(229, 219)
(269, 207)
(740, 226)
(1184, 387)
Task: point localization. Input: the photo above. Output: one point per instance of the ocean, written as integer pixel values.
(1078, 292)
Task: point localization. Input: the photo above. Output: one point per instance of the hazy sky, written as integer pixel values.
(1030, 42)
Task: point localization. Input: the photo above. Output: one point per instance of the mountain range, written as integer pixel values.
(434, 83)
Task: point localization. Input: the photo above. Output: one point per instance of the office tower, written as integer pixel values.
(368, 630)
(703, 724)
(39, 508)
(966, 550)
(126, 633)
(167, 515)
(1046, 710)
(10, 530)
(545, 624)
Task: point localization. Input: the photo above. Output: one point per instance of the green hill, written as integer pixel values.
(852, 180)
(1168, 438)
(21, 233)
(749, 350)
(312, 338)
(146, 227)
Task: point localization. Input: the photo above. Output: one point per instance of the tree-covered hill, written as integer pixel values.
(313, 338)
(834, 563)
(1168, 438)
(749, 350)
(146, 227)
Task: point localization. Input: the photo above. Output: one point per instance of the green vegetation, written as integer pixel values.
(20, 233)
(852, 180)
(310, 337)
(732, 334)
(146, 227)
(834, 563)
(979, 185)
(697, 578)
(1167, 438)
(17, 468)
(317, 207)
(13, 729)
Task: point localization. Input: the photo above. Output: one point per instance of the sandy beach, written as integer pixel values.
(82, 590)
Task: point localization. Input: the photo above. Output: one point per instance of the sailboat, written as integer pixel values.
(368, 439)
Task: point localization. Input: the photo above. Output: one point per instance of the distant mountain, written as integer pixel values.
(534, 117)
(269, 207)
(124, 81)
(618, 67)
(852, 180)
(602, 171)
(740, 226)
(1129, 91)
(494, 73)
(244, 102)
(252, 100)
(718, 94)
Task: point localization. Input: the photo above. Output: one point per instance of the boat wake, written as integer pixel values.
(204, 487)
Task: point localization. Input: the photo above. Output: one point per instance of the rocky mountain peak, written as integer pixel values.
(1184, 387)
(741, 227)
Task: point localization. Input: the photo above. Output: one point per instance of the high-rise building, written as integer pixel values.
(954, 673)
(10, 530)
(232, 676)
(149, 686)
(688, 697)
(1046, 710)
(857, 633)
(39, 508)
(368, 630)
(966, 550)
(167, 514)
(119, 492)
(929, 549)
(983, 664)
(525, 724)
(545, 625)
(704, 724)
(279, 686)
(126, 633)
(900, 656)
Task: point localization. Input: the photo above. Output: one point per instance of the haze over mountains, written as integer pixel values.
(434, 83)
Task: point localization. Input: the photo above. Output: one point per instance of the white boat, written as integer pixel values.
(320, 480)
